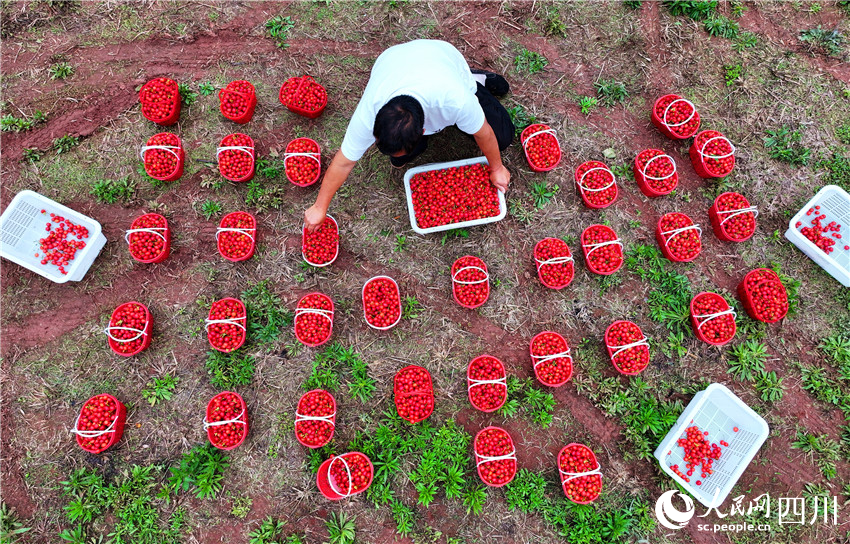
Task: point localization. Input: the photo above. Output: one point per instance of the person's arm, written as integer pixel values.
(336, 175)
(486, 140)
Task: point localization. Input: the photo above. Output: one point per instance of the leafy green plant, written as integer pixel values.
(745, 40)
(784, 145)
(520, 210)
(400, 242)
(454, 233)
(160, 389)
(821, 449)
(521, 118)
(842, 133)
(241, 506)
(675, 348)
(769, 386)
(279, 27)
(267, 533)
(77, 535)
(31, 154)
(732, 73)
(341, 528)
(210, 208)
(524, 398)
(411, 308)
(588, 104)
(737, 8)
(65, 143)
(723, 27)
(748, 360)
(263, 196)
(403, 517)
(829, 42)
(60, 70)
(610, 91)
(634, 4)
(228, 370)
(110, 191)
(474, 498)
(206, 88)
(201, 470)
(526, 491)
(542, 193)
(670, 295)
(10, 123)
(695, 9)
(529, 62)
(187, 95)
(10, 525)
(838, 170)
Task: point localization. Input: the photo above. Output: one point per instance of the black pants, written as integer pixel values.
(497, 117)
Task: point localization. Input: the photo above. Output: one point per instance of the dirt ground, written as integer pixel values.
(54, 354)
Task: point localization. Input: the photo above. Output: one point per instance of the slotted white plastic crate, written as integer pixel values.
(22, 226)
(718, 411)
(834, 202)
(503, 208)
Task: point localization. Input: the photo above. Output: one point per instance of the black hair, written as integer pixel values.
(398, 125)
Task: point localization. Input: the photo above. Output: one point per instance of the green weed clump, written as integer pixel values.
(10, 123)
(524, 398)
(326, 372)
(529, 62)
(697, 10)
(110, 191)
(784, 144)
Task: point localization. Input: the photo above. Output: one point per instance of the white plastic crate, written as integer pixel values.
(503, 208)
(22, 226)
(834, 202)
(718, 411)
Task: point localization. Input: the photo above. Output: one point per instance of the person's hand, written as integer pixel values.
(314, 216)
(500, 177)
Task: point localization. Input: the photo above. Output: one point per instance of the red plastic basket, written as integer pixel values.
(665, 237)
(644, 180)
(116, 428)
(565, 260)
(312, 155)
(537, 360)
(481, 459)
(174, 116)
(614, 351)
(567, 476)
(590, 248)
(301, 310)
(330, 419)
(144, 333)
(664, 127)
(718, 222)
(583, 189)
(239, 322)
(250, 97)
(698, 321)
(427, 392)
(698, 155)
(241, 419)
(250, 232)
(457, 284)
(301, 82)
(363, 297)
(328, 217)
(746, 295)
(249, 150)
(324, 480)
(176, 150)
(537, 131)
(163, 232)
(473, 382)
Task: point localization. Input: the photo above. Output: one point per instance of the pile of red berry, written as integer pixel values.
(381, 302)
(732, 217)
(226, 324)
(581, 479)
(129, 329)
(302, 95)
(495, 456)
(596, 184)
(236, 157)
(678, 236)
(542, 150)
(550, 355)
(227, 420)
(699, 454)
(315, 419)
(320, 248)
(100, 423)
(414, 393)
(470, 282)
(486, 383)
(314, 319)
(237, 236)
(712, 154)
(160, 100)
(675, 117)
(55, 248)
(603, 251)
(163, 156)
(554, 260)
(627, 347)
(712, 318)
(237, 101)
(655, 173)
(818, 233)
(453, 195)
(302, 161)
(149, 238)
(338, 469)
(764, 296)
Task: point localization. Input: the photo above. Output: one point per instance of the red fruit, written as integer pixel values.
(235, 156)
(712, 318)
(226, 421)
(486, 383)
(817, 233)
(596, 184)
(655, 173)
(302, 95)
(226, 324)
(764, 295)
(381, 303)
(302, 161)
(149, 238)
(603, 251)
(56, 248)
(678, 236)
(414, 393)
(160, 99)
(315, 418)
(554, 261)
(628, 347)
(581, 478)
(100, 423)
(712, 154)
(733, 215)
(453, 195)
(163, 156)
(550, 356)
(237, 236)
(675, 116)
(314, 319)
(320, 248)
(699, 454)
(495, 456)
(542, 150)
(129, 329)
(346, 475)
(470, 282)
(237, 101)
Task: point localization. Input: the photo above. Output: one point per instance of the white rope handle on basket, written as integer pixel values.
(246, 232)
(243, 148)
(313, 155)
(645, 166)
(462, 282)
(93, 434)
(124, 340)
(327, 419)
(676, 232)
(732, 213)
(152, 230)
(237, 419)
(230, 321)
(686, 121)
(708, 317)
(620, 349)
(702, 149)
(594, 247)
(328, 314)
(581, 180)
(475, 383)
(487, 459)
(331, 480)
(540, 359)
(538, 133)
(574, 475)
(554, 260)
(169, 148)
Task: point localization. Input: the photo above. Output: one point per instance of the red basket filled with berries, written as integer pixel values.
(486, 383)
(381, 303)
(314, 319)
(655, 173)
(675, 117)
(163, 156)
(581, 477)
(470, 282)
(129, 330)
(732, 217)
(596, 184)
(304, 96)
(495, 456)
(302, 161)
(237, 101)
(554, 262)
(149, 238)
(764, 295)
(226, 421)
(679, 237)
(315, 418)
(542, 150)
(414, 393)
(321, 248)
(236, 236)
(712, 319)
(235, 156)
(712, 154)
(226, 324)
(160, 99)
(100, 424)
(345, 475)
(551, 359)
(627, 347)
(603, 250)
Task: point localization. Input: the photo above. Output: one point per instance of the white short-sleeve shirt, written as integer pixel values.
(431, 71)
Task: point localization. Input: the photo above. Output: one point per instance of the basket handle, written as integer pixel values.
(739, 211)
(554, 260)
(702, 149)
(327, 419)
(237, 419)
(686, 121)
(539, 133)
(124, 340)
(243, 148)
(93, 434)
(675, 232)
(475, 383)
(461, 282)
(229, 321)
(313, 155)
(226, 90)
(546, 358)
(488, 459)
(152, 230)
(619, 349)
(708, 317)
(169, 148)
(246, 232)
(331, 479)
(594, 247)
(588, 189)
(574, 475)
(328, 314)
(671, 174)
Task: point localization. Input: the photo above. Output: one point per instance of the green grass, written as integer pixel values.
(10, 123)
(65, 143)
(695, 9)
(187, 95)
(611, 92)
(747, 360)
(411, 308)
(670, 293)
(529, 62)
(110, 191)
(206, 88)
(229, 370)
(526, 400)
(341, 528)
(588, 104)
(783, 144)
(720, 26)
(11, 527)
(633, 4)
(821, 40)
(60, 70)
(842, 133)
(31, 155)
(732, 73)
(745, 40)
(838, 170)
(821, 449)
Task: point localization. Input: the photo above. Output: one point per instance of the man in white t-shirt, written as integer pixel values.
(417, 89)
